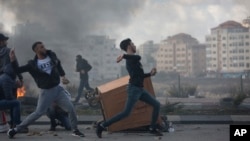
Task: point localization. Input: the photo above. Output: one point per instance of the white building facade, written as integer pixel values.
(228, 49)
(101, 53)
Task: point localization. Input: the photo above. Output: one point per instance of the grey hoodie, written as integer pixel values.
(5, 60)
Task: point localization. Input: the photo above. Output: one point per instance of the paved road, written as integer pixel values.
(183, 132)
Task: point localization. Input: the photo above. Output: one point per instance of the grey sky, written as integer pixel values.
(139, 19)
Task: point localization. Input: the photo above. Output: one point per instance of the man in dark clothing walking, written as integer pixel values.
(83, 67)
(46, 70)
(135, 89)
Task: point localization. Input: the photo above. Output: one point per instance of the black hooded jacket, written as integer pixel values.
(43, 79)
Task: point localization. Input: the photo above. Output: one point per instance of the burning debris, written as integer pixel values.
(21, 92)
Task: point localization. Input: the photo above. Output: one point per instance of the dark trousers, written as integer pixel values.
(84, 83)
(54, 114)
(14, 106)
(134, 94)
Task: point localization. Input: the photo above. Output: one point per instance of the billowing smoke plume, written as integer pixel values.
(62, 24)
(71, 20)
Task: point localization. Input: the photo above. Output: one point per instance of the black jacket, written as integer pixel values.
(135, 70)
(43, 79)
(82, 64)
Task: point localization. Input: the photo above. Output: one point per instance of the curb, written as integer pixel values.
(176, 119)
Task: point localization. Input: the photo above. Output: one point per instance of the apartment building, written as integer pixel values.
(147, 51)
(228, 49)
(183, 54)
(101, 52)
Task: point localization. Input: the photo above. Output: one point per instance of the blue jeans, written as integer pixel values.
(14, 106)
(84, 83)
(134, 94)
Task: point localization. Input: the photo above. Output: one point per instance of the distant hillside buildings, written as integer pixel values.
(225, 53)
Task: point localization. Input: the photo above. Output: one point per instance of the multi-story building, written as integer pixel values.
(183, 54)
(146, 51)
(101, 52)
(228, 49)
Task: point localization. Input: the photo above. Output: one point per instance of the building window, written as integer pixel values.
(241, 51)
(235, 65)
(214, 45)
(241, 57)
(223, 38)
(247, 36)
(247, 50)
(247, 43)
(214, 38)
(247, 58)
(241, 65)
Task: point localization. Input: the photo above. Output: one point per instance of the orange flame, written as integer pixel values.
(21, 92)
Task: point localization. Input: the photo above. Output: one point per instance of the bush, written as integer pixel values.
(184, 91)
(238, 99)
(171, 107)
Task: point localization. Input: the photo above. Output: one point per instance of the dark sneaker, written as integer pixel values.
(11, 133)
(155, 132)
(99, 130)
(78, 133)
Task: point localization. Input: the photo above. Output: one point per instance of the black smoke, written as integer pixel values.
(72, 19)
(62, 24)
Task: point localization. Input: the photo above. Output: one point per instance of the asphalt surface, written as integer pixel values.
(183, 132)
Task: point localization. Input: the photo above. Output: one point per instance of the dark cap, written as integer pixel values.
(3, 38)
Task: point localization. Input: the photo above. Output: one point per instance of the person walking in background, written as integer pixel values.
(46, 70)
(83, 67)
(135, 89)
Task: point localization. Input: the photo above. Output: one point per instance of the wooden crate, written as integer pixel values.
(113, 97)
